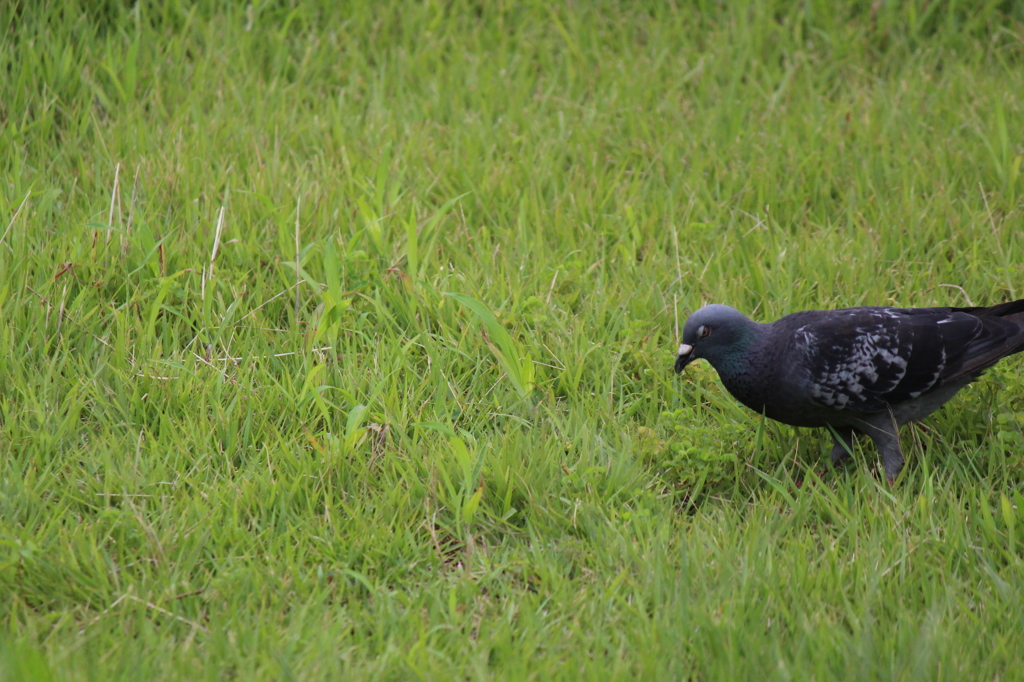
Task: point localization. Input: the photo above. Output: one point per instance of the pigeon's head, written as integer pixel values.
(714, 333)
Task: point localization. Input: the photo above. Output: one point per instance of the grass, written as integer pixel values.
(336, 339)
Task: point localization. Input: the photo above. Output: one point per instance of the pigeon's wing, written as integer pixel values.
(1002, 334)
(864, 359)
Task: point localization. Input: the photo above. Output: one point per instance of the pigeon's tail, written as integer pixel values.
(1003, 335)
(1012, 309)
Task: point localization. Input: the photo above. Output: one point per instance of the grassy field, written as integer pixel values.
(336, 339)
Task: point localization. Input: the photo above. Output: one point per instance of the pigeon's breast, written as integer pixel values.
(771, 380)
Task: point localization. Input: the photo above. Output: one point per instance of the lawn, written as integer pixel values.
(336, 338)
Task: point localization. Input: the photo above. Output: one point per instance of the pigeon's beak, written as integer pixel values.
(684, 357)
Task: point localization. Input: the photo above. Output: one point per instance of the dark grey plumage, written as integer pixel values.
(868, 370)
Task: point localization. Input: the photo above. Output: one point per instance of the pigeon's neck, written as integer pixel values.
(744, 339)
(743, 366)
(739, 356)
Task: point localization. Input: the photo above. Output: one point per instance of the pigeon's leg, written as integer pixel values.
(884, 431)
(842, 446)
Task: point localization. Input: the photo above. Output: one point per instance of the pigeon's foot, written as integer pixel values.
(883, 430)
(842, 447)
(893, 463)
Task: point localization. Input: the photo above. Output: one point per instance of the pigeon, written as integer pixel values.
(866, 370)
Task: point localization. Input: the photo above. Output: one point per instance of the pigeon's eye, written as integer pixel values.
(703, 331)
